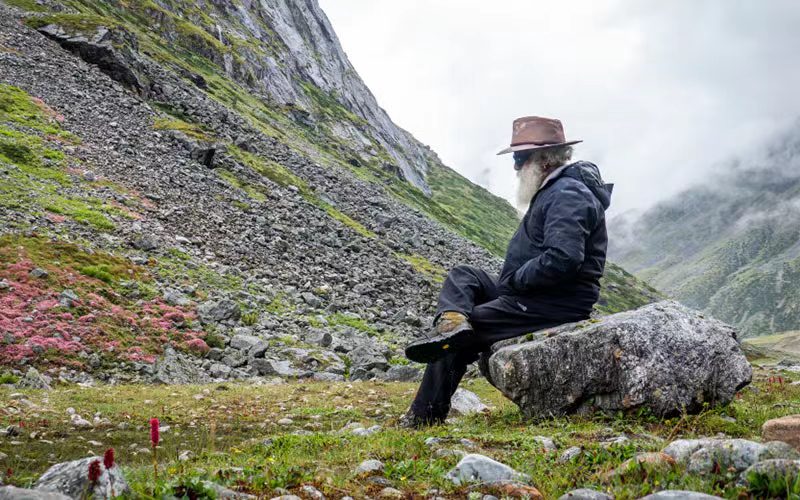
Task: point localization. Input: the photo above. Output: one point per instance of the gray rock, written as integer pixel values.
(547, 443)
(68, 298)
(704, 455)
(146, 243)
(328, 377)
(219, 370)
(176, 368)
(367, 357)
(214, 311)
(772, 471)
(664, 357)
(234, 358)
(14, 493)
(280, 368)
(245, 342)
(38, 273)
(482, 469)
(369, 466)
(175, 298)
(680, 495)
(585, 494)
(312, 493)
(465, 402)
(311, 299)
(34, 380)
(569, 454)
(390, 492)
(224, 493)
(319, 337)
(361, 431)
(71, 479)
(259, 349)
(402, 373)
(4, 285)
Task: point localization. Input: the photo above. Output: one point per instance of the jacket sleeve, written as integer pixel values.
(569, 216)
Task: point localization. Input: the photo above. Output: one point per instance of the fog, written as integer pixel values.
(660, 92)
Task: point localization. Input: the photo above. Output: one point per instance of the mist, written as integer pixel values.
(661, 93)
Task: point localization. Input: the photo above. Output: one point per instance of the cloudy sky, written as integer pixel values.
(659, 91)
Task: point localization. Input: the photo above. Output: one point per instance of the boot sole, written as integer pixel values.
(430, 350)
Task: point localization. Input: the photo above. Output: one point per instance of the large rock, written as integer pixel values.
(664, 357)
(786, 429)
(34, 380)
(701, 456)
(214, 311)
(71, 479)
(176, 368)
(478, 468)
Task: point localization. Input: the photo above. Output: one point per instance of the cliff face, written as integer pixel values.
(303, 50)
(730, 246)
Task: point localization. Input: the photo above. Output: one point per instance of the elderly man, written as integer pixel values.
(551, 273)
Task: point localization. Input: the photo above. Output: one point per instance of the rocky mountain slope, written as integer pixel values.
(730, 246)
(186, 197)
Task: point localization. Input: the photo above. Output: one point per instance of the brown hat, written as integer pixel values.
(535, 132)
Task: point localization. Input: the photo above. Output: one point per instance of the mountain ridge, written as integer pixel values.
(730, 246)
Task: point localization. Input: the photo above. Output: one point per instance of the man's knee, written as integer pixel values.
(462, 270)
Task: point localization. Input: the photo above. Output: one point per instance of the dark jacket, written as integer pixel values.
(556, 258)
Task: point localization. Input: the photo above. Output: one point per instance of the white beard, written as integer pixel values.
(530, 178)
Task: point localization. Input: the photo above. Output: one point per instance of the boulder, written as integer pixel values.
(465, 402)
(176, 368)
(475, 468)
(214, 311)
(772, 473)
(704, 455)
(72, 480)
(786, 429)
(663, 357)
(34, 380)
(368, 357)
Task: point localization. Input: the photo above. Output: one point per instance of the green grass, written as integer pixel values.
(31, 142)
(424, 266)
(232, 432)
(192, 130)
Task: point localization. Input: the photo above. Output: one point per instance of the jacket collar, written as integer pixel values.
(553, 175)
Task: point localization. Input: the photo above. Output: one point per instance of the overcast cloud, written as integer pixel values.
(659, 91)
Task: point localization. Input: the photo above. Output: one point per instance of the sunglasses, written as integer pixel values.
(520, 157)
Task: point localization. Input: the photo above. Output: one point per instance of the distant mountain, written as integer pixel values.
(730, 246)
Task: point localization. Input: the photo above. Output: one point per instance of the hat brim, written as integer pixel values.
(527, 147)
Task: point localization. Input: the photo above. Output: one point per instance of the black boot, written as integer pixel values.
(452, 332)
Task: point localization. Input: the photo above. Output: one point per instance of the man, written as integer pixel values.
(551, 273)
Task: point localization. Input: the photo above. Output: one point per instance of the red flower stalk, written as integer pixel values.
(108, 458)
(94, 471)
(154, 434)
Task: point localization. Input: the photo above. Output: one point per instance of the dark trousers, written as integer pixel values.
(473, 292)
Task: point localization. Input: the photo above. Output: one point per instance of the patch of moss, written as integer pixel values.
(346, 220)
(72, 22)
(353, 322)
(422, 265)
(192, 130)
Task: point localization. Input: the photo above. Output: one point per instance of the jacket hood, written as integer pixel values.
(588, 173)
